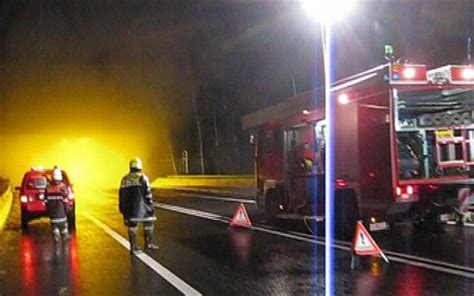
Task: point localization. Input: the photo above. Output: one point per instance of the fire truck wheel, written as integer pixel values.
(273, 202)
(347, 213)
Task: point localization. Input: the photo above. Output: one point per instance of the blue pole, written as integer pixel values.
(329, 178)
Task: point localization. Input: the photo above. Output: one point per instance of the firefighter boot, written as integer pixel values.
(56, 234)
(65, 233)
(149, 245)
(132, 237)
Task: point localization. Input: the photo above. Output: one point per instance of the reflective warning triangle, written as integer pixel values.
(364, 244)
(241, 218)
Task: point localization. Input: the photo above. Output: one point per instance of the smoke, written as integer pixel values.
(83, 123)
(85, 97)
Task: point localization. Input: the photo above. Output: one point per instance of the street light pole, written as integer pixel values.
(326, 12)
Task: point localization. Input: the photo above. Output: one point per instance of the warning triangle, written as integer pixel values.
(364, 244)
(241, 218)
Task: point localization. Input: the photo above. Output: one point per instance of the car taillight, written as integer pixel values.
(24, 198)
(409, 189)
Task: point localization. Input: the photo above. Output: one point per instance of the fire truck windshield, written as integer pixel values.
(434, 133)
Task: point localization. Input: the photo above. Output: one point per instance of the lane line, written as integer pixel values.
(228, 199)
(441, 266)
(162, 271)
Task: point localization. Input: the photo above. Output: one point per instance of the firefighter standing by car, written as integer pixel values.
(136, 205)
(56, 197)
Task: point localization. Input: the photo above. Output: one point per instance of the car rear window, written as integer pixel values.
(37, 183)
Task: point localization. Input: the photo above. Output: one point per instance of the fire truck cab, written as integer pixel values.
(404, 148)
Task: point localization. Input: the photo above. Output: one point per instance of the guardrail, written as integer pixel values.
(205, 181)
(6, 201)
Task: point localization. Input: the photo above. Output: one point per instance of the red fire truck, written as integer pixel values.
(404, 139)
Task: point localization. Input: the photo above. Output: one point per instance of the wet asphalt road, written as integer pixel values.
(205, 255)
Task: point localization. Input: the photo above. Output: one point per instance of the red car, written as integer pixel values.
(32, 196)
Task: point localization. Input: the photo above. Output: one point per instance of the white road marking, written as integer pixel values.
(165, 273)
(427, 263)
(467, 224)
(229, 199)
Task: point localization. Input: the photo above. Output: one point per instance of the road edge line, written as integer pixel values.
(162, 271)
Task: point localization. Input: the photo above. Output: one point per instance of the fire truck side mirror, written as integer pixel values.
(252, 139)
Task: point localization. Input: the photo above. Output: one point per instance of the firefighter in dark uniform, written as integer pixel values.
(56, 197)
(136, 205)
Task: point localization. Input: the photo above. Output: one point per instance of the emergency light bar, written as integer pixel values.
(408, 74)
(452, 74)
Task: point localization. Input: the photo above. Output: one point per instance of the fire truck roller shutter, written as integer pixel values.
(274, 201)
(347, 212)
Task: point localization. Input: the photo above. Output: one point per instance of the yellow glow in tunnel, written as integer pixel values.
(89, 163)
(93, 164)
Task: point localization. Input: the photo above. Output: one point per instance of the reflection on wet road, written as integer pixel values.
(199, 249)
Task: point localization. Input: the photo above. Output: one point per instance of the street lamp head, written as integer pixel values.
(327, 11)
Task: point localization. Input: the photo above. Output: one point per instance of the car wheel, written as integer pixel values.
(24, 220)
(71, 219)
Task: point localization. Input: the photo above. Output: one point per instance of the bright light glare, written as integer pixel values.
(343, 99)
(398, 191)
(468, 74)
(409, 73)
(327, 11)
(24, 198)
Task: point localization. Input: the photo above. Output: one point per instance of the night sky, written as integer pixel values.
(233, 57)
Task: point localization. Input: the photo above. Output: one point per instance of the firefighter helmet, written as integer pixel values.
(57, 175)
(136, 164)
